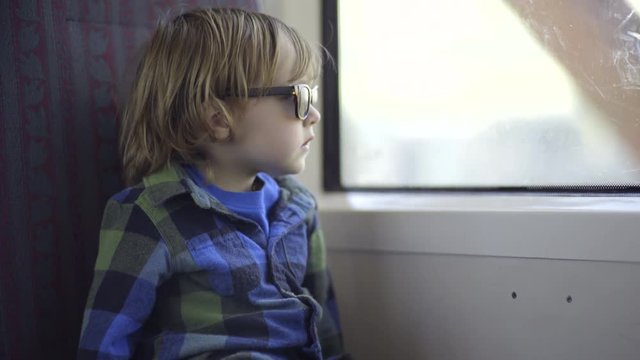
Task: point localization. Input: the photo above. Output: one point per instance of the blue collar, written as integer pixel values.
(253, 205)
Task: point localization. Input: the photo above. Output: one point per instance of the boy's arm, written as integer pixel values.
(318, 281)
(132, 260)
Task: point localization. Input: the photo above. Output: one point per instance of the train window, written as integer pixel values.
(467, 94)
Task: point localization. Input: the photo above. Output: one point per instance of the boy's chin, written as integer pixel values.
(292, 169)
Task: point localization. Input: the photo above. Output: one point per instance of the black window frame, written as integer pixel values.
(331, 106)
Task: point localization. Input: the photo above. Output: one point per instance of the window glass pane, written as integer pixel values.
(468, 93)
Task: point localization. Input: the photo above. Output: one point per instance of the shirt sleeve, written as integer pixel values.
(132, 261)
(318, 281)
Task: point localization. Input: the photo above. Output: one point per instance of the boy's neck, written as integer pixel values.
(230, 181)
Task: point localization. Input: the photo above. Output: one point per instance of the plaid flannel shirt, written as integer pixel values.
(180, 276)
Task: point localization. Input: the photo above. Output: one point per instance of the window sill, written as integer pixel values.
(594, 228)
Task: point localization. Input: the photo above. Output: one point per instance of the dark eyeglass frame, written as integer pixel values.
(302, 107)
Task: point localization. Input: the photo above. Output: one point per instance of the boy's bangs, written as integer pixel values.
(307, 63)
(262, 65)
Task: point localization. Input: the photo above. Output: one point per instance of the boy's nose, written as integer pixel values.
(313, 117)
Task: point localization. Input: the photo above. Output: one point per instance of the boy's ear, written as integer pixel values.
(221, 129)
(218, 122)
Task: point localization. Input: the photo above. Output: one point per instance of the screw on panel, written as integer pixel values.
(569, 299)
(514, 295)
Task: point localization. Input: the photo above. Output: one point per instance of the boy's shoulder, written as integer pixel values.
(292, 188)
(128, 195)
(298, 197)
(155, 188)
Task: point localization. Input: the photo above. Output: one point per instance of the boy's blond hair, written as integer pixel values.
(199, 58)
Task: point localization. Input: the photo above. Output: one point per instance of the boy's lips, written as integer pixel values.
(308, 141)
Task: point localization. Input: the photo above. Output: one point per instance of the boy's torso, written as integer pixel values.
(229, 286)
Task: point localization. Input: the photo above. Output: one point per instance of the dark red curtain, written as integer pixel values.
(62, 63)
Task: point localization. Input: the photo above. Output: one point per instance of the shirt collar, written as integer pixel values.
(172, 181)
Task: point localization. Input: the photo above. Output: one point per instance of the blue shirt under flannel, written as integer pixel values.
(180, 276)
(253, 205)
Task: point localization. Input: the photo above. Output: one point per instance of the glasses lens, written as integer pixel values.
(304, 99)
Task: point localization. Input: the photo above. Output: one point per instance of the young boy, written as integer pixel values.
(214, 252)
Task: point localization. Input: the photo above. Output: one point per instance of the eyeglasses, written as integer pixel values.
(304, 96)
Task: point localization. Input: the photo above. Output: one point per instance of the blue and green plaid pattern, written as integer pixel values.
(179, 276)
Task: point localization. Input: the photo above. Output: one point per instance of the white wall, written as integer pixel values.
(423, 276)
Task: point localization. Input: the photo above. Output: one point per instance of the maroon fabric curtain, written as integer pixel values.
(61, 62)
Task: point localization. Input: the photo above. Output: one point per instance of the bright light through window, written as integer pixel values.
(466, 93)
